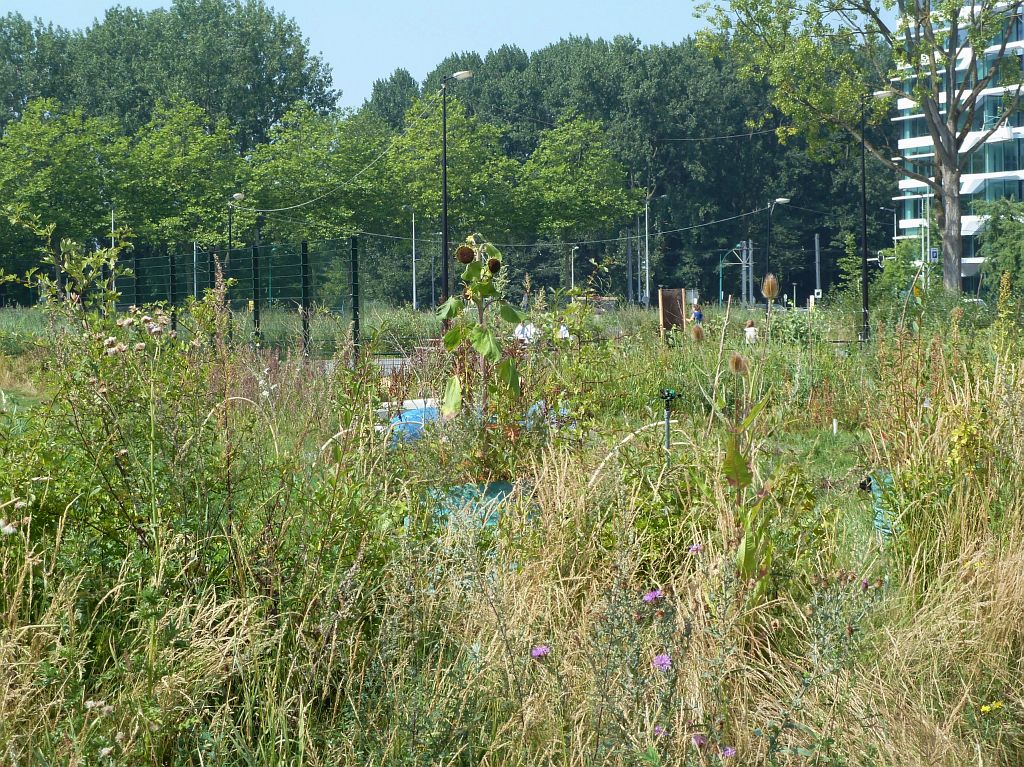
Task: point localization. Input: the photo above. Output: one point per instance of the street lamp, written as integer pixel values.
(461, 75)
(413, 211)
(647, 246)
(572, 267)
(894, 227)
(236, 198)
(768, 246)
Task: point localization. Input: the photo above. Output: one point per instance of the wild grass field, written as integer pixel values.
(212, 554)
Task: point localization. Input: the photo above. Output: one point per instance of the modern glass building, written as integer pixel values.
(994, 171)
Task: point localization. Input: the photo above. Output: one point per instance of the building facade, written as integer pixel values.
(993, 171)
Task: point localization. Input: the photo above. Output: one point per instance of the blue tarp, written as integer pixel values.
(881, 484)
(479, 503)
(408, 425)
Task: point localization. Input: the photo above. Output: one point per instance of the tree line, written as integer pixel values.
(160, 117)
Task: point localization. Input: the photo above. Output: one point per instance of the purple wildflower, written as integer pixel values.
(728, 751)
(540, 651)
(699, 740)
(653, 596)
(659, 731)
(662, 662)
(695, 548)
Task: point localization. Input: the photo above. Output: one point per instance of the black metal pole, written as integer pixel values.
(256, 277)
(304, 264)
(444, 190)
(256, 289)
(768, 243)
(354, 267)
(135, 273)
(866, 330)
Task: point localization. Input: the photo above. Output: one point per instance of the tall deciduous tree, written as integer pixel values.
(235, 58)
(55, 164)
(34, 62)
(572, 185)
(178, 175)
(825, 59)
(327, 171)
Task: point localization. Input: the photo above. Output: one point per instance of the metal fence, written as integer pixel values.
(301, 280)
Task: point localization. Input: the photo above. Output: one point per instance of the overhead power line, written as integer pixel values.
(343, 184)
(748, 134)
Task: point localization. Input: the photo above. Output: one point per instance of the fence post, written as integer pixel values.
(304, 311)
(354, 267)
(212, 261)
(135, 274)
(172, 288)
(256, 289)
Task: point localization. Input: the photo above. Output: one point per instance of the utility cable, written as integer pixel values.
(329, 192)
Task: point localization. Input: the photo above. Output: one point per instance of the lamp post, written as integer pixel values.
(866, 330)
(572, 267)
(895, 230)
(236, 198)
(461, 75)
(413, 211)
(768, 245)
(647, 246)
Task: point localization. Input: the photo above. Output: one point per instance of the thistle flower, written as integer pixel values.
(770, 287)
(659, 731)
(728, 752)
(695, 548)
(697, 333)
(653, 596)
(738, 364)
(140, 346)
(698, 740)
(661, 662)
(540, 651)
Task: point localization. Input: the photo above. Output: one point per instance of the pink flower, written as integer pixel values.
(540, 651)
(728, 752)
(662, 662)
(699, 740)
(696, 548)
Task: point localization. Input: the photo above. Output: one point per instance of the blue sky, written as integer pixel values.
(368, 40)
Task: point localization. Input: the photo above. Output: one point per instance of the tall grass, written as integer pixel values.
(213, 556)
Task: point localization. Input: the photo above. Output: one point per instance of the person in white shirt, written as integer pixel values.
(750, 332)
(525, 332)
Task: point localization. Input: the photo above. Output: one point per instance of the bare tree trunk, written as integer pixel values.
(949, 220)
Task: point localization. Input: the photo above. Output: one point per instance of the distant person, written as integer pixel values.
(698, 315)
(750, 332)
(525, 332)
(563, 332)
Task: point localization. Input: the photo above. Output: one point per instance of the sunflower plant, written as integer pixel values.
(480, 291)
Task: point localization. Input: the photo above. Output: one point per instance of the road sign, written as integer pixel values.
(933, 255)
(817, 293)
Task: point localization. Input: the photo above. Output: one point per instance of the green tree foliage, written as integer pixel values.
(1002, 241)
(392, 97)
(237, 59)
(177, 176)
(481, 178)
(572, 186)
(824, 60)
(55, 164)
(34, 63)
(327, 171)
